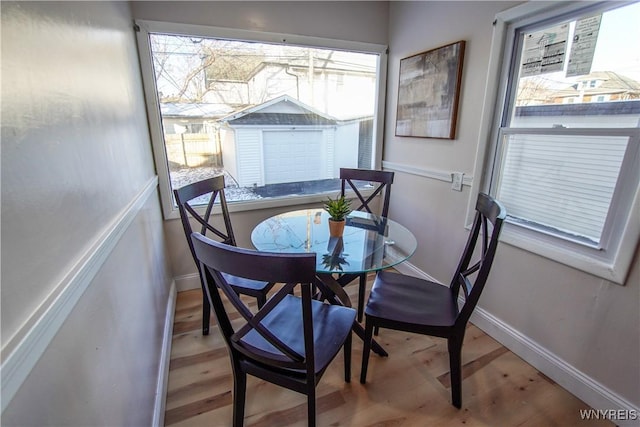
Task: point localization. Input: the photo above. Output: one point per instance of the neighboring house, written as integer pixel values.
(281, 141)
(337, 83)
(602, 86)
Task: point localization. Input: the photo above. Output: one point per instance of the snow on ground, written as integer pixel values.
(233, 192)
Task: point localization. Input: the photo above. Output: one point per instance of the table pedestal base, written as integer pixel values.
(332, 291)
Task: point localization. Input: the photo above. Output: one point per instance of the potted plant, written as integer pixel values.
(338, 209)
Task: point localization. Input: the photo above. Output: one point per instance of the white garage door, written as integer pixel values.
(291, 156)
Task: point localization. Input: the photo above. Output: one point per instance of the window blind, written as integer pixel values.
(564, 182)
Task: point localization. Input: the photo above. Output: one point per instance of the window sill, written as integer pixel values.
(611, 265)
(270, 203)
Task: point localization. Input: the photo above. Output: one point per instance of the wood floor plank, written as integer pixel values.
(204, 386)
(297, 414)
(473, 366)
(198, 407)
(203, 357)
(193, 342)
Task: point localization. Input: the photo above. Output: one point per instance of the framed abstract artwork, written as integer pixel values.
(428, 92)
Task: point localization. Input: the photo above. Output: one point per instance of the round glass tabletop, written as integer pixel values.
(369, 242)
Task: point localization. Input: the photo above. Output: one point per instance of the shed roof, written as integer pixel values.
(282, 119)
(283, 110)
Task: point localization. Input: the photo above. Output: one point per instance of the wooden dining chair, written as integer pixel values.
(292, 339)
(420, 306)
(186, 198)
(381, 181)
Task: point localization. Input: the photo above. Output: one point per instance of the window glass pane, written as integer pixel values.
(580, 73)
(277, 120)
(583, 72)
(562, 183)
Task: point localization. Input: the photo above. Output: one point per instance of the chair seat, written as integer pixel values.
(245, 286)
(331, 325)
(411, 300)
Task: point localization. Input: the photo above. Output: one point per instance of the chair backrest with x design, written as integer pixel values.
(187, 198)
(290, 269)
(381, 180)
(184, 198)
(481, 243)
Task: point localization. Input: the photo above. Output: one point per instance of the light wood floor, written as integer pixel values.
(408, 388)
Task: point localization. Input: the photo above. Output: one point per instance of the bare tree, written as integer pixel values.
(532, 91)
(187, 67)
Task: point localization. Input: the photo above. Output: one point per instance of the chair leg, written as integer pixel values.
(311, 405)
(239, 395)
(206, 314)
(347, 359)
(366, 350)
(455, 368)
(361, 289)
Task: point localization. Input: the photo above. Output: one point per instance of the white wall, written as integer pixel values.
(362, 21)
(79, 211)
(581, 330)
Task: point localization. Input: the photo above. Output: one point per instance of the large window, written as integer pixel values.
(278, 116)
(566, 156)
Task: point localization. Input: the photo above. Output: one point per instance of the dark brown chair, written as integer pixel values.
(185, 198)
(381, 181)
(419, 306)
(291, 340)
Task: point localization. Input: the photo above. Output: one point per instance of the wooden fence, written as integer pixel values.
(193, 150)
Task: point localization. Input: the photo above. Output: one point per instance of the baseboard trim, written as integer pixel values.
(411, 270)
(575, 381)
(27, 346)
(160, 402)
(187, 282)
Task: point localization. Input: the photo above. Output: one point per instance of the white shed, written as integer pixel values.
(284, 140)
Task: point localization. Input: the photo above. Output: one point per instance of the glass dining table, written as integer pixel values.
(369, 243)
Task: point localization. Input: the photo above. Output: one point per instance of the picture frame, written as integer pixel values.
(429, 92)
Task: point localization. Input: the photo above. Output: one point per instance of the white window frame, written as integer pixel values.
(612, 259)
(144, 28)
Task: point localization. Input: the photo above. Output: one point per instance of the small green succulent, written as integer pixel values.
(337, 208)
